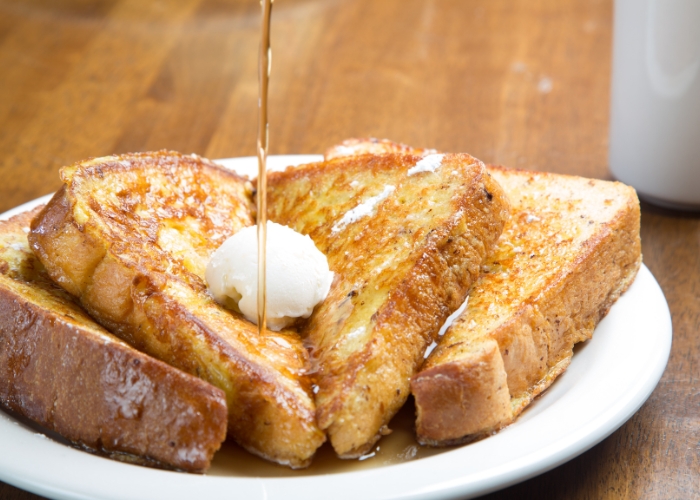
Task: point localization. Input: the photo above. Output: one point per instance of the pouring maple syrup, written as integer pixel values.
(264, 65)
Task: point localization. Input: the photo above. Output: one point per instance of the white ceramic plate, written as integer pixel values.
(608, 380)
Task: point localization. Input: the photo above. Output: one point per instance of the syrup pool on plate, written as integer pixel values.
(398, 447)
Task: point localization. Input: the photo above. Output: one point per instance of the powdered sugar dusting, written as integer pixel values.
(191, 455)
(127, 388)
(356, 332)
(452, 317)
(428, 164)
(430, 349)
(366, 456)
(364, 209)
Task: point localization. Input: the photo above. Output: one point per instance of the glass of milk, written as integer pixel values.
(655, 100)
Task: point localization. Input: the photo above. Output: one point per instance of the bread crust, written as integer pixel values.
(63, 371)
(468, 397)
(590, 253)
(399, 273)
(130, 236)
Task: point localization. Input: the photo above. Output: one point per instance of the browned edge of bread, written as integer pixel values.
(66, 373)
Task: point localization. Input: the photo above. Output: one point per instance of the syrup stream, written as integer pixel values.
(400, 446)
(264, 65)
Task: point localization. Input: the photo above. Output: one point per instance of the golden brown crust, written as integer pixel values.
(131, 236)
(400, 271)
(62, 370)
(569, 250)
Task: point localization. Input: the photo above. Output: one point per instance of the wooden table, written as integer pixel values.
(521, 83)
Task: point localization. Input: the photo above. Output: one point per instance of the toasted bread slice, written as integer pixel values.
(405, 242)
(62, 370)
(130, 236)
(569, 250)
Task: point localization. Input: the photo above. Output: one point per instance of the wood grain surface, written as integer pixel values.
(523, 83)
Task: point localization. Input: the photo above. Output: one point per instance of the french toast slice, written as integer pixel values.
(131, 235)
(62, 370)
(570, 249)
(405, 240)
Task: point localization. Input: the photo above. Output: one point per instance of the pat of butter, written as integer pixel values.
(298, 277)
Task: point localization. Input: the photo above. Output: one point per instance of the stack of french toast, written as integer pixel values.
(109, 336)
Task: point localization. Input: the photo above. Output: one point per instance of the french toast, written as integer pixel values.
(570, 248)
(130, 236)
(405, 240)
(62, 370)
